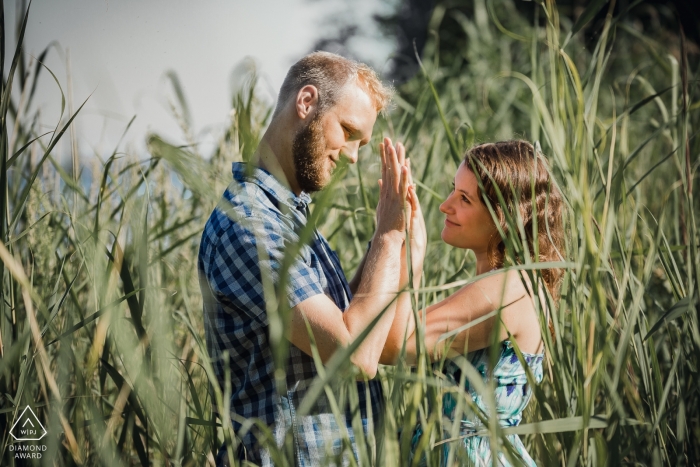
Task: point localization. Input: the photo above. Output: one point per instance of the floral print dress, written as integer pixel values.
(461, 421)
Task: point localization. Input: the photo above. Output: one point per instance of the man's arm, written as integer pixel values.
(357, 278)
(333, 328)
(378, 288)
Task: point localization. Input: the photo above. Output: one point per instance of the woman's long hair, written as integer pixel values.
(514, 180)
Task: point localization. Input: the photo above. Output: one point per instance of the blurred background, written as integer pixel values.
(117, 54)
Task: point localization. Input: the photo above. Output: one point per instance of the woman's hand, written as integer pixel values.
(418, 234)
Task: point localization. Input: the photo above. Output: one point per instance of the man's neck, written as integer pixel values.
(271, 156)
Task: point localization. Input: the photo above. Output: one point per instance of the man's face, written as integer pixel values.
(340, 131)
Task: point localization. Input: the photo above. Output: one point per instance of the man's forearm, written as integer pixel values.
(376, 294)
(357, 278)
(403, 324)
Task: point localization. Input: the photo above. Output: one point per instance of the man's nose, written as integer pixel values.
(351, 150)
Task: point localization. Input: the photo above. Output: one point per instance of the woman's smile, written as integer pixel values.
(449, 223)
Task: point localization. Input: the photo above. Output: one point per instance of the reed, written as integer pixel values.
(100, 311)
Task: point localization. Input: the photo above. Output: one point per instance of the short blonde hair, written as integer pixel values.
(329, 73)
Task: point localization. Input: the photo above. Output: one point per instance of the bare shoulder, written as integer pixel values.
(522, 315)
(476, 302)
(500, 289)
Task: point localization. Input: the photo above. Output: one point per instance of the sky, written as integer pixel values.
(120, 50)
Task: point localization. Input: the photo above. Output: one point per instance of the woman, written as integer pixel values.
(511, 180)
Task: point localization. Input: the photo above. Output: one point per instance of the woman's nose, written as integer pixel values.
(445, 206)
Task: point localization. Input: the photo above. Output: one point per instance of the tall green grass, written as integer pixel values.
(101, 321)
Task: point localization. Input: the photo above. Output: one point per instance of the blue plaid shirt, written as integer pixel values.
(249, 231)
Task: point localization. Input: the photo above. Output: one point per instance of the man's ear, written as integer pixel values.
(307, 101)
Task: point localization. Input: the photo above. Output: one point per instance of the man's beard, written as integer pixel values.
(308, 156)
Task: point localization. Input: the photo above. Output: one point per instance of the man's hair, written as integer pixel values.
(329, 73)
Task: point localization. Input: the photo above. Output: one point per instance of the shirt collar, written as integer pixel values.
(265, 180)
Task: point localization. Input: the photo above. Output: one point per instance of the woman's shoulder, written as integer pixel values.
(512, 290)
(500, 286)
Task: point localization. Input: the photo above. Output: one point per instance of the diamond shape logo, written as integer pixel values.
(27, 427)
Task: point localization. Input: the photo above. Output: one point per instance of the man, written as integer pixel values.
(326, 109)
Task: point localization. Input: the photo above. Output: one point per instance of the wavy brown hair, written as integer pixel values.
(514, 179)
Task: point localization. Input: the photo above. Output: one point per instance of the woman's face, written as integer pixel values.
(468, 223)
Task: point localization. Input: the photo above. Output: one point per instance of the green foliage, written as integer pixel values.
(100, 310)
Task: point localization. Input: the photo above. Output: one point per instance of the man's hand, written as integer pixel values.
(393, 195)
(416, 223)
(387, 152)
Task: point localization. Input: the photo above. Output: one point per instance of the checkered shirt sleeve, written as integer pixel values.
(249, 255)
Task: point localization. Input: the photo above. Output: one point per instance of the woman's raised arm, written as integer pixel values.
(404, 324)
(476, 304)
